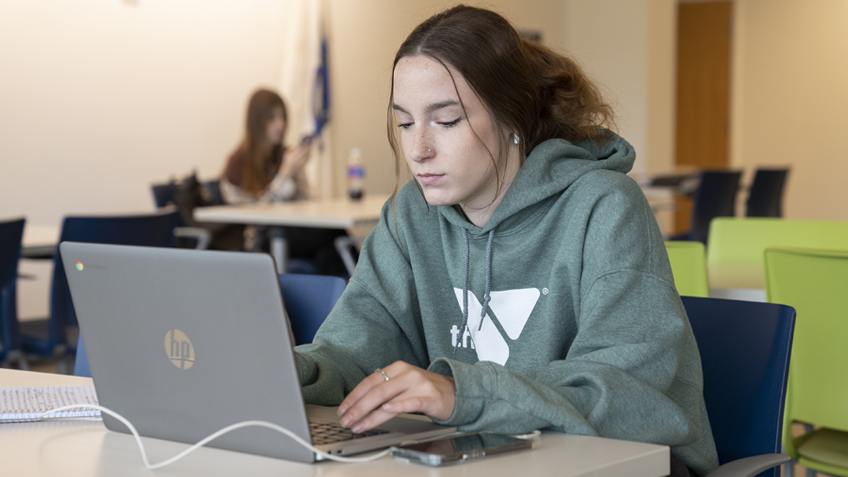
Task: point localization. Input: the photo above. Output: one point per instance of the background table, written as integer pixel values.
(737, 281)
(86, 448)
(39, 241)
(35, 270)
(359, 217)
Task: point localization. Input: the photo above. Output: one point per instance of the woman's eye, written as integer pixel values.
(450, 124)
(404, 125)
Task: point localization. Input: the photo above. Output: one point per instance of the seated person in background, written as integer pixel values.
(520, 282)
(263, 170)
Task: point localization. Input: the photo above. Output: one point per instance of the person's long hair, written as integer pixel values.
(528, 88)
(261, 160)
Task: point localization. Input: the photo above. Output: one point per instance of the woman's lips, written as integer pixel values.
(430, 179)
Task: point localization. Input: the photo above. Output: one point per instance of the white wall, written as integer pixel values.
(790, 99)
(101, 98)
(628, 46)
(98, 99)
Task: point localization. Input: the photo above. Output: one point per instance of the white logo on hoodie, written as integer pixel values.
(512, 307)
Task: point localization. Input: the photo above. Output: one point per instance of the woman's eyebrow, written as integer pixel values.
(430, 108)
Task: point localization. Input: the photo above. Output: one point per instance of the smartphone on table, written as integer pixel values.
(453, 450)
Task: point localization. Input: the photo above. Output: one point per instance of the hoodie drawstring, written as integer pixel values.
(487, 291)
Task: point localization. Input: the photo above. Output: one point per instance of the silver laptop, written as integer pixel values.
(185, 342)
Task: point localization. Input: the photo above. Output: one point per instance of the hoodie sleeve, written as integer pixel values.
(361, 333)
(633, 370)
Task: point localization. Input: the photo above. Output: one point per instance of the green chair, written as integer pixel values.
(815, 283)
(742, 241)
(689, 267)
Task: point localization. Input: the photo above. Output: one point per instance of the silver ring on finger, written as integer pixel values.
(380, 370)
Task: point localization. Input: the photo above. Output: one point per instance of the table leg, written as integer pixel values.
(279, 248)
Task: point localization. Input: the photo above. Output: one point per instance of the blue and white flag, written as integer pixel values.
(305, 86)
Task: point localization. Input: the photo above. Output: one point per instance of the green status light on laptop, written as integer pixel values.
(79, 266)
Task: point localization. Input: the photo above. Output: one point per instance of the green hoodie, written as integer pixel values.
(584, 332)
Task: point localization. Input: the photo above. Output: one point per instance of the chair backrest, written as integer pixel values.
(765, 197)
(715, 197)
(154, 230)
(163, 194)
(308, 300)
(743, 241)
(11, 233)
(212, 189)
(81, 367)
(185, 194)
(814, 282)
(745, 348)
(689, 267)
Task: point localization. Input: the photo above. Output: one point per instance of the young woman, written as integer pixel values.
(263, 170)
(520, 282)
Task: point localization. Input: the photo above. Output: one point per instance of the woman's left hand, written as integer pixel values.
(409, 389)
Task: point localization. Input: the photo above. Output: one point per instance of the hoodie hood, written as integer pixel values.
(550, 169)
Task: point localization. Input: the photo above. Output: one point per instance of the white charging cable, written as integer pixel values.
(209, 438)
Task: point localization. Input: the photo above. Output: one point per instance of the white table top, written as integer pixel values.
(330, 214)
(737, 281)
(39, 240)
(85, 448)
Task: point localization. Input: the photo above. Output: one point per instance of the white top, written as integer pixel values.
(86, 448)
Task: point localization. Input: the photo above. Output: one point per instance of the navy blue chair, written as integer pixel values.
(308, 300)
(213, 191)
(81, 361)
(765, 197)
(57, 334)
(11, 233)
(745, 348)
(714, 197)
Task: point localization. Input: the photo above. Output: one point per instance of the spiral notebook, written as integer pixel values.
(27, 404)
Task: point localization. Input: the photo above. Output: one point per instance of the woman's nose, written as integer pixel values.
(422, 145)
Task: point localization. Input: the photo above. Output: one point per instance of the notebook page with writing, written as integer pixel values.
(26, 404)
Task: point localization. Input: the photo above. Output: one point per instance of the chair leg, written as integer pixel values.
(18, 356)
(808, 428)
(62, 366)
(343, 245)
(789, 469)
(23, 364)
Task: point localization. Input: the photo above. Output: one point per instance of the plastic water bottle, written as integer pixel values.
(355, 174)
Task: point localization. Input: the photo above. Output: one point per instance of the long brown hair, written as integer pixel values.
(261, 162)
(528, 88)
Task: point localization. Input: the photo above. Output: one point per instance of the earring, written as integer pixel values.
(515, 138)
(428, 150)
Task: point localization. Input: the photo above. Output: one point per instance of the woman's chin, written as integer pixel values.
(437, 199)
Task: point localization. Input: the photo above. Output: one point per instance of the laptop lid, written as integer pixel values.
(186, 342)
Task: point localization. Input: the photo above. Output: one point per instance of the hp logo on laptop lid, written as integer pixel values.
(179, 349)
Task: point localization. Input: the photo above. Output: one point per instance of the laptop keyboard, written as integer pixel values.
(331, 432)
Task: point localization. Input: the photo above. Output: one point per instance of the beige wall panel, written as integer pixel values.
(98, 99)
(790, 101)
